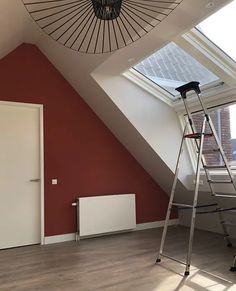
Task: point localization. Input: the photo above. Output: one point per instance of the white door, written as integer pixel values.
(19, 163)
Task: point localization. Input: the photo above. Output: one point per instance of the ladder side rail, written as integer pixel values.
(224, 228)
(233, 268)
(225, 160)
(208, 176)
(205, 111)
(191, 123)
(222, 153)
(190, 120)
(171, 197)
(221, 218)
(207, 171)
(196, 191)
(212, 127)
(197, 144)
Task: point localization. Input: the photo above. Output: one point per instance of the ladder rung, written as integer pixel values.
(229, 224)
(182, 205)
(224, 195)
(197, 135)
(214, 167)
(173, 259)
(220, 181)
(210, 151)
(229, 236)
(218, 210)
(207, 205)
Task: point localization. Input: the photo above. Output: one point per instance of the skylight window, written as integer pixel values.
(219, 28)
(171, 67)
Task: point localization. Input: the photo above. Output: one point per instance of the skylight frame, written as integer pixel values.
(220, 17)
(149, 86)
(171, 65)
(214, 44)
(203, 50)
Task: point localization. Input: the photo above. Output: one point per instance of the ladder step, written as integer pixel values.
(220, 181)
(173, 259)
(224, 195)
(206, 152)
(197, 135)
(229, 224)
(186, 206)
(214, 167)
(182, 205)
(218, 210)
(229, 236)
(207, 205)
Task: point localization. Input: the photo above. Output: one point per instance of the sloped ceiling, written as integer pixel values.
(16, 26)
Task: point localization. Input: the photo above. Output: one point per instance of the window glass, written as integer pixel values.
(220, 29)
(171, 67)
(224, 120)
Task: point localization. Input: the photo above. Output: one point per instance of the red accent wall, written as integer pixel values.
(80, 151)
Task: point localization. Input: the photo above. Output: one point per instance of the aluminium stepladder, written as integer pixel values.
(199, 137)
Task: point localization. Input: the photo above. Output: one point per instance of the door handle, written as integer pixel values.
(35, 180)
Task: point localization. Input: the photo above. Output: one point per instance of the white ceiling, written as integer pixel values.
(16, 26)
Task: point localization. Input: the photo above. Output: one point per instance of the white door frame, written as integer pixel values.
(41, 158)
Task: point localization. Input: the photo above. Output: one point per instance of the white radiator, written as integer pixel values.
(105, 214)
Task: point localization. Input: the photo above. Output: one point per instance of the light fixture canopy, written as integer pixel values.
(107, 9)
(98, 26)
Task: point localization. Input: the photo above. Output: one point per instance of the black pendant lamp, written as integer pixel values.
(98, 26)
(107, 9)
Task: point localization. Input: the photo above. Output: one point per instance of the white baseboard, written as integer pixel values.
(59, 238)
(141, 226)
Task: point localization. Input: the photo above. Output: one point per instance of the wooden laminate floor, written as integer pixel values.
(123, 262)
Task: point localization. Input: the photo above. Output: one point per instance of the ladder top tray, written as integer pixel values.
(189, 87)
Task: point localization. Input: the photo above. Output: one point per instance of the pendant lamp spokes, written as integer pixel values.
(98, 26)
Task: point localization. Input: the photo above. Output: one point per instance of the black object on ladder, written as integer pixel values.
(199, 138)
